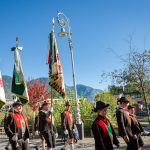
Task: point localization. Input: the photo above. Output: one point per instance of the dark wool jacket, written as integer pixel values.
(36, 125)
(44, 125)
(135, 125)
(124, 123)
(102, 139)
(11, 127)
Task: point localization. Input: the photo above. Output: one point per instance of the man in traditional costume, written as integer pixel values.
(45, 123)
(124, 124)
(102, 129)
(136, 126)
(16, 128)
(67, 126)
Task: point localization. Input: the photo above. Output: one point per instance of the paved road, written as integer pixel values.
(86, 144)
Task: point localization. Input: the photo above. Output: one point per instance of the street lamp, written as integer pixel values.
(63, 21)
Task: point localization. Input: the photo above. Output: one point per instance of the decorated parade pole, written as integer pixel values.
(19, 86)
(63, 21)
(56, 80)
(51, 74)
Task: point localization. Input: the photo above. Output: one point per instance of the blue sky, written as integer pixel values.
(97, 27)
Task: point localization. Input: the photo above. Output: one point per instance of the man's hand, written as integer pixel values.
(73, 130)
(20, 141)
(48, 120)
(66, 132)
(56, 135)
(27, 141)
(36, 132)
(134, 136)
(126, 138)
(14, 138)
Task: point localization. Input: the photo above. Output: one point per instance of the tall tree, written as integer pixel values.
(37, 94)
(135, 72)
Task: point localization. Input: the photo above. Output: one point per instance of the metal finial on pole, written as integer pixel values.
(17, 45)
(17, 41)
(53, 22)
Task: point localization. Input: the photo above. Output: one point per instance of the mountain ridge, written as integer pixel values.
(82, 90)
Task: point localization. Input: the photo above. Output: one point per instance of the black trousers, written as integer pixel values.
(133, 144)
(48, 138)
(14, 145)
(140, 141)
(53, 138)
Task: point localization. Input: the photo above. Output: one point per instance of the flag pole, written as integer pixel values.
(51, 74)
(17, 44)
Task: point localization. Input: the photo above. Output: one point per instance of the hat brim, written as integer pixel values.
(68, 105)
(123, 101)
(131, 107)
(17, 104)
(107, 105)
(45, 104)
(100, 108)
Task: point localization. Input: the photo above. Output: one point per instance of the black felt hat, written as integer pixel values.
(123, 99)
(100, 105)
(17, 103)
(130, 107)
(67, 103)
(45, 103)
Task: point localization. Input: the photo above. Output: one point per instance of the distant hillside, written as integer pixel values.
(7, 81)
(86, 91)
(83, 90)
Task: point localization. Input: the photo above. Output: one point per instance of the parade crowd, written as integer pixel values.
(17, 129)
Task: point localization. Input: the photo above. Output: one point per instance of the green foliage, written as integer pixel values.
(115, 90)
(87, 116)
(58, 109)
(86, 110)
(28, 112)
(136, 72)
(128, 90)
(2, 114)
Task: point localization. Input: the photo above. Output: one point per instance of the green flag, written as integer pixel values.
(19, 87)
